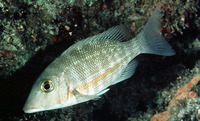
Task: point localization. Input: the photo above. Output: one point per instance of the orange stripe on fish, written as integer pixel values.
(67, 91)
(100, 77)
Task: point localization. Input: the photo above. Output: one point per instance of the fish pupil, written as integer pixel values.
(47, 86)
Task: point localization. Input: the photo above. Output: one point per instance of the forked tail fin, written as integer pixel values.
(149, 40)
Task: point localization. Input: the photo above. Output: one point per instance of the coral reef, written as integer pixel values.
(35, 32)
(181, 94)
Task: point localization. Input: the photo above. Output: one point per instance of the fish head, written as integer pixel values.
(47, 93)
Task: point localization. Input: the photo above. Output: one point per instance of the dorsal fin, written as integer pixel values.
(117, 33)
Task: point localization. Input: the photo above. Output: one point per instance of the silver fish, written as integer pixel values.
(86, 69)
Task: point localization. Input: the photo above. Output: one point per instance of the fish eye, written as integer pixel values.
(47, 86)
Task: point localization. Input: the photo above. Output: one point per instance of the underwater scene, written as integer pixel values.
(99, 60)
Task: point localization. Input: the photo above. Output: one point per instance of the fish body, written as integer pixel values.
(86, 69)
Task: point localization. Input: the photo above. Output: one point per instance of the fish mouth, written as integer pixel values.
(32, 110)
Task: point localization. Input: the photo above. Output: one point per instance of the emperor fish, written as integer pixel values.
(87, 68)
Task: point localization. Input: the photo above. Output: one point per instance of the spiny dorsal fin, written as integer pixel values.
(117, 33)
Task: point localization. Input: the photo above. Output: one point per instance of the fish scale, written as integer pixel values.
(103, 63)
(87, 68)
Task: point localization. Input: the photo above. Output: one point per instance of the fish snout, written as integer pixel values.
(31, 109)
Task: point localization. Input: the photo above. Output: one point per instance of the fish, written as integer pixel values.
(87, 69)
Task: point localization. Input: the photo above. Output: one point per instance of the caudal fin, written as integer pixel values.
(150, 40)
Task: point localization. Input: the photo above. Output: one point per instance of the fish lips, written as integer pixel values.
(31, 110)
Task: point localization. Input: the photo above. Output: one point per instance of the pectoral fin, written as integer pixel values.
(129, 71)
(82, 97)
